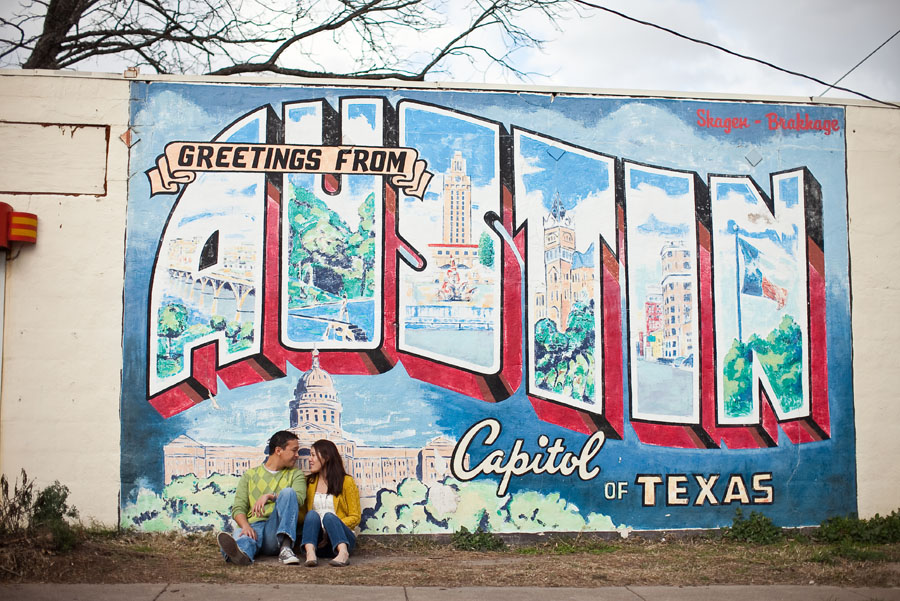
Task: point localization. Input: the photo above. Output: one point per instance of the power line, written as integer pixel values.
(733, 53)
(868, 56)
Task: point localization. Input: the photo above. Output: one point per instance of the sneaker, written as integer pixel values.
(287, 557)
(231, 550)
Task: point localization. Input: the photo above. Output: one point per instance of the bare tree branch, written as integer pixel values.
(372, 39)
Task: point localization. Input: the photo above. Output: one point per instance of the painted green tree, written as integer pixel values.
(362, 247)
(486, 250)
(564, 361)
(239, 334)
(781, 356)
(187, 503)
(171, 324)
(327, 259)
(447, 506)
(193, 504)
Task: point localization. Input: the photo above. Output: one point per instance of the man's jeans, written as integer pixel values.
(269, 533)
(337, 531)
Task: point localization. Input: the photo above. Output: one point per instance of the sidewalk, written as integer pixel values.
(317, 592)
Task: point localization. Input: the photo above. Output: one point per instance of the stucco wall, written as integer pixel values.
(62, 336)
(873, 173)
(62, 351)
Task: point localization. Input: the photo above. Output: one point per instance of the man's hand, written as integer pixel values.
(246, 528)
(260, 505)
(248, 531)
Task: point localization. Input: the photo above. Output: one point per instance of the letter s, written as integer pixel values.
(762, 483)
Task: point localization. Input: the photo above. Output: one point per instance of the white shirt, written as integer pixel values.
(323, 503)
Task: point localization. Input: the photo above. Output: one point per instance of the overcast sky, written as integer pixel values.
(821, 38)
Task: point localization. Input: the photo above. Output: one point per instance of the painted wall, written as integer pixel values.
(525, 311)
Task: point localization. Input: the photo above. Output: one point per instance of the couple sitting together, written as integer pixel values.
(272, 498)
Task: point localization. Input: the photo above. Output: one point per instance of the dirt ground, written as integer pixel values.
(142, 558)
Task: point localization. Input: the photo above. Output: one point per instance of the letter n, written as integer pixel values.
(769, 287)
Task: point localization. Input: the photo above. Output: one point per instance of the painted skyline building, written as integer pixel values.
(568, 274)
(653, 311)
(456, 239)
(677, 295)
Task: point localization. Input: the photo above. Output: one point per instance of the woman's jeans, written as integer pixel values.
(269, 533)
(337, 531)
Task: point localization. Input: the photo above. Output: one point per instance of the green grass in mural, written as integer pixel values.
(781, 355)
(564, 361)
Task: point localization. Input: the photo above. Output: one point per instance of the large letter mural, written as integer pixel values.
(519, 312)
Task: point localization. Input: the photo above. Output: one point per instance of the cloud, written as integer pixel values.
(359, 131)
(655, 226)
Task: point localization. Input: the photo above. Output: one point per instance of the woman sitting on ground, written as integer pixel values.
(332, 503)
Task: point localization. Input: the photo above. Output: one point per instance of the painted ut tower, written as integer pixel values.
(457, 202)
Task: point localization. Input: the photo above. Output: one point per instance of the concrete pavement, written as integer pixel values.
(319, 592)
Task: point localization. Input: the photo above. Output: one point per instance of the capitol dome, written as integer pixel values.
(315, 400)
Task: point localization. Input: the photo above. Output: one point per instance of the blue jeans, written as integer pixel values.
(270, 532)
(337, 531)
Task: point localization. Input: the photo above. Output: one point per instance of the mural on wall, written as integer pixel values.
(515, 311)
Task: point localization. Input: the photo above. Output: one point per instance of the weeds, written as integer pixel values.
(850, 528)
(756, 529)
(479, 540)
(29, 517)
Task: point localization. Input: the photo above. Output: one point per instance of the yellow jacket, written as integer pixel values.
(346, 504)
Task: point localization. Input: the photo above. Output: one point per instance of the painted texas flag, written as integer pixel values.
(755, 283)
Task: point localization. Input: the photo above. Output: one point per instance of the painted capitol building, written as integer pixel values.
(315, 413)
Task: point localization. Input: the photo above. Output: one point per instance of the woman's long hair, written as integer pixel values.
(331, 465)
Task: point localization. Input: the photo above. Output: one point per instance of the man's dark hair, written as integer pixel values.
(280, 440)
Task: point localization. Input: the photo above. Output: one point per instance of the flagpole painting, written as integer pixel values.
(515, 312)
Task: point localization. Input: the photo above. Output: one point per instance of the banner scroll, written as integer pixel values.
(181, 161)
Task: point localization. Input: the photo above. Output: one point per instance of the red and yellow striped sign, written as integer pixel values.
(23, 227)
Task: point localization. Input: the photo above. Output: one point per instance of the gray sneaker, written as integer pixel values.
(287, 557)
(231, 550)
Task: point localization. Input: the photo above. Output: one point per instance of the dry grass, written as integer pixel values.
(583, 562)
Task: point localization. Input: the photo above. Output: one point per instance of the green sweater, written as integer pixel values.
(258, 481)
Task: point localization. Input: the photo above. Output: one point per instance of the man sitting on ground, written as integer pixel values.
(267, 505)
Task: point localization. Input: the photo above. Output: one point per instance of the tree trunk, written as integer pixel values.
(61, 16)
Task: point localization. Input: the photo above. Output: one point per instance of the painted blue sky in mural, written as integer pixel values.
(741, 214)
(438, 136)
(552, 169)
